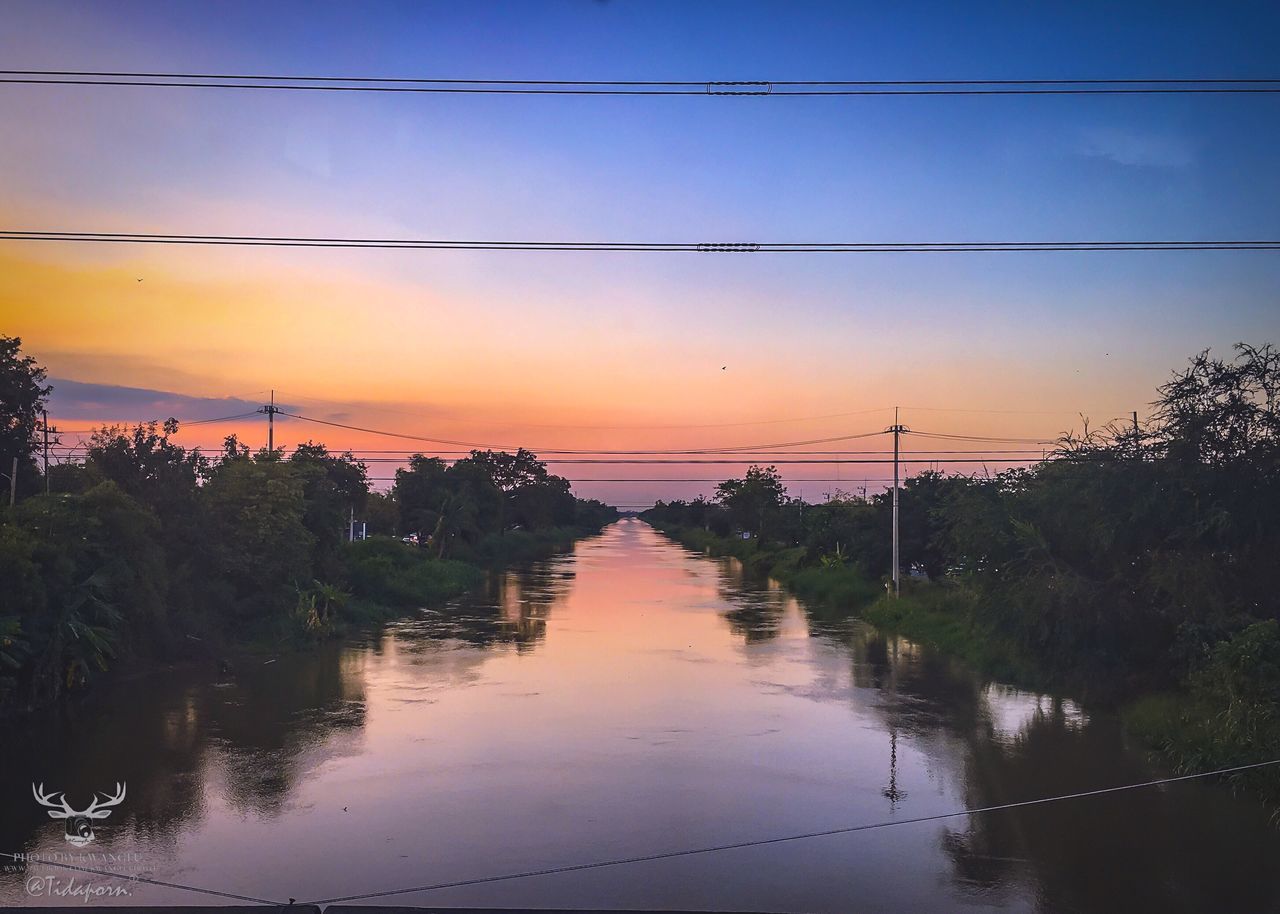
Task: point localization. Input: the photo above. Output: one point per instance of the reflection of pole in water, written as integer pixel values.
(892, 793)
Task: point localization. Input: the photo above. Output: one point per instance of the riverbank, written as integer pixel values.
(938, 615)
(387, 577)
(383, 578)
(1225, 716)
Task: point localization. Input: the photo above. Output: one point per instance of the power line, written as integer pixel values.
(738, 845)
(393, 461)
(182, 422)
(640, 461)
(937, 247)
(990, 438)
(636, 427)
(721, 450)
(1008, 412)
(364, 454)
(714, 460)
(654, 479)
(771, 88)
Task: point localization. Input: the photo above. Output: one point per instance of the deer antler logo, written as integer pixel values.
(79, 823)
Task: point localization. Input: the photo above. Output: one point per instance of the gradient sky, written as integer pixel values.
(528, 348)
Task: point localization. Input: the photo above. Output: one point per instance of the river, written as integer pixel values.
(625, 698)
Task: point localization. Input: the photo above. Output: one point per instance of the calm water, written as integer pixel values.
(624, 699)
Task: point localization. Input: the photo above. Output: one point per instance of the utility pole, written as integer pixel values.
(1135, 423)
(271, 410)
(13, 482)
(45, 414)
(897, 430)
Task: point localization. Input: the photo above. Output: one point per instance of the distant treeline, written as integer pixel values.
(1133, 559)
(150, 549)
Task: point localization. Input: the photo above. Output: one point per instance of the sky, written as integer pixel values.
(572, 350)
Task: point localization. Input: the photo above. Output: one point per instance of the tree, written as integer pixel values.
(509, 473)
(163, 476)
(754, 500)
(22, 397)
(545, 503)
(846, 529)
(258, 545)
(382, 514)
(1219, 412)
(147, 465)
(333, 488)
(418, 491)
(100, 586)
(24, 597)
(922, 533)
(479, 507)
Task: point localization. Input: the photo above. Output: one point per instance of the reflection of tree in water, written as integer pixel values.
(511, 608)
(274, 721)
(85, 746)
(926, 691)
(1006, 746)
(160, 733)
(758, 602)
(1185, 849)
(267, 723)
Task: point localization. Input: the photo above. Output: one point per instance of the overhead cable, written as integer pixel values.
(590, 87)
(642, 247)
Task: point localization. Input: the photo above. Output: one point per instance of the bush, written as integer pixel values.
(386, 571)
(1242, 681)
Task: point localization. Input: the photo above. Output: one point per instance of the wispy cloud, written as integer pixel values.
(1135, 148)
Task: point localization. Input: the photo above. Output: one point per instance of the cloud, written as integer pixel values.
(130, 369)
(1136, 149)
(115, 403)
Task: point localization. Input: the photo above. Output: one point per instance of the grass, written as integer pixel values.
(943, 616)
(1187, 732)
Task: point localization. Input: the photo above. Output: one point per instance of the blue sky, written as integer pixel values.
(517, 338)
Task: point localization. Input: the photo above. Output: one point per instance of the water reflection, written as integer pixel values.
(626, 698)
(510, 608)
(1158, 849)
(256, 730)
(755, 605)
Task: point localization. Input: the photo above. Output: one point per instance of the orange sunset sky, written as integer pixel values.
(609, 350)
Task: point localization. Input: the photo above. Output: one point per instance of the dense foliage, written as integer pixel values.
(1130, 558)
(147, 548)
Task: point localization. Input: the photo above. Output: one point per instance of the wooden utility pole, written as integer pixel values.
(271, 410)
(13, 482)
(897, 430)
